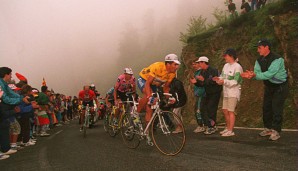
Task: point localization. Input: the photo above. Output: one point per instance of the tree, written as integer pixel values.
(220, 16)
(195, 27)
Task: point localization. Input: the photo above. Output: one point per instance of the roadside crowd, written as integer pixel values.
(245, 7)
(27, 113)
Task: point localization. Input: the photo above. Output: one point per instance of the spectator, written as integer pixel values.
(270, 68)
(231, 80)
(178, 92)
(199, 92)
(26, 111)
(253, 4)
(43, 119)
(69, 108)
(245, 8)
(75, 103)
(261, 3)
(232, 9)
(2, 156)
(7, 109)
(209, 103)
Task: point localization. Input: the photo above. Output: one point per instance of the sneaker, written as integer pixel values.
(3, 156)
(199, 129)
(210, 131)
(266, 132)
(20, 144)
(215, 128)
(44, 134)
(274, 135)
(223, 131)
(81, 129)
(31, 140)
(58, 125)
(228, 134)
(29, 144)
(10, 151)
(17, 147)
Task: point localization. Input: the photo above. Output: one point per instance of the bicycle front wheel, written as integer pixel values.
(112, 128)
(166, 139)
(129, 135)
(85, 126)
(106, 122)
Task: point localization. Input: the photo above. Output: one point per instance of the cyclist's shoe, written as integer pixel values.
(136, 119)
(149, 142)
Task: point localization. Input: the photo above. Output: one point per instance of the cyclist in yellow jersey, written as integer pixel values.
(156, 75)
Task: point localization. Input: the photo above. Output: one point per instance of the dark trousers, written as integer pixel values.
(209, 105)
(69, 113)
(25, 129)
(4, 136)
(273, 105)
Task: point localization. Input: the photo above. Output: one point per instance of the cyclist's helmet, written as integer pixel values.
(92, 86)
(128, 71)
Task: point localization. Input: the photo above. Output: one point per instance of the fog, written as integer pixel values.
(72, 43)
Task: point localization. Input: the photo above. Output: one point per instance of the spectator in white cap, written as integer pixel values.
(154, 76)
(209, 103)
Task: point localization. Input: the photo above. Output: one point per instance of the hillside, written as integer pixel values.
(277, 22)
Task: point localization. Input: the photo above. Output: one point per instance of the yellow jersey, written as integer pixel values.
(159, 72)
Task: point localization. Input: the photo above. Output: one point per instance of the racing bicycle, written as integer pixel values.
(160, 127)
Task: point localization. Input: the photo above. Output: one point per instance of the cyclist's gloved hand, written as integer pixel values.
(171, 100)
(151, 100)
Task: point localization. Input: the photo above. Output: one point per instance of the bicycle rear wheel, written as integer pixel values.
(129, 135)
(162, 128)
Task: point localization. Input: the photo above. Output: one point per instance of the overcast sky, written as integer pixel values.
(72, 43)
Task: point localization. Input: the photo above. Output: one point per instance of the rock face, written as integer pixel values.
(279, 26)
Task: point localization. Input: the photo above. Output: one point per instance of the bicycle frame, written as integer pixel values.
(87, 114)
(157, 111)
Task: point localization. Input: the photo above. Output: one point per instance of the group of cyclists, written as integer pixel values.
(156, 75)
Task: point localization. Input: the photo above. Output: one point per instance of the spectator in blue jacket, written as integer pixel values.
(26, 111)
(8, 108)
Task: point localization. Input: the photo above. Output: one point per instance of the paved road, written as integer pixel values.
(66, 149)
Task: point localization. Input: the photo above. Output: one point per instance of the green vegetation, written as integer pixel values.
(277, 22)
